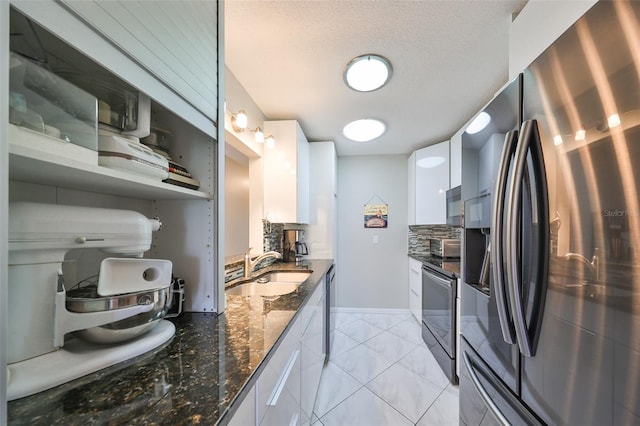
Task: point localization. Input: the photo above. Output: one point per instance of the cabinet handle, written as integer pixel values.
(275, 395)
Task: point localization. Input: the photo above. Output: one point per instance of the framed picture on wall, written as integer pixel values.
(376, 215)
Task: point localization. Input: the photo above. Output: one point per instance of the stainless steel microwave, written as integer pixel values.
(454, 206)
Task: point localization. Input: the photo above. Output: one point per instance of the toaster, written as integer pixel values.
(445, 247)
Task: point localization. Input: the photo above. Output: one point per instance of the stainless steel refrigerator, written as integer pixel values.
(551, 334)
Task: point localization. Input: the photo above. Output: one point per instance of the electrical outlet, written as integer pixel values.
(375, 239)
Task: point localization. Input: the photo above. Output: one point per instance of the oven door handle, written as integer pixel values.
(439, 279)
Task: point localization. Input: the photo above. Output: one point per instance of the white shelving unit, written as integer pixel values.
(36, 167)
(186, 103)
(27, 164)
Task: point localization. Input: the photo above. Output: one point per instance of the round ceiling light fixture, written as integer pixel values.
(364, 130)
(367, 73)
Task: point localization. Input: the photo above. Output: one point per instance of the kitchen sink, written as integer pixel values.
(285, 277)
(271, 284)
(268, 289)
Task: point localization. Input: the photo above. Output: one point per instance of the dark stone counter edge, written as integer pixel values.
(317, 277)
(425, 259)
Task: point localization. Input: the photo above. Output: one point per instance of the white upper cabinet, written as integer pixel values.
(182, 58)
(455, 152)
(286, 173)
(428, 184)
(322, 233)
(528, 39)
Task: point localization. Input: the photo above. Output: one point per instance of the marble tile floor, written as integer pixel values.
(381, 373)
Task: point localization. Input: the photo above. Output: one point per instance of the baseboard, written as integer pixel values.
(392, 311)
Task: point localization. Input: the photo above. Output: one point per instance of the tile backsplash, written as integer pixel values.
(271, 241)
(419, 237)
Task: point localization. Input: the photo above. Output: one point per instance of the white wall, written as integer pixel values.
(538, 25)
(237, 98)
(372, 275)
(236, 209)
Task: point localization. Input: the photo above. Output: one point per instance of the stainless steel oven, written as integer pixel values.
(439, 317)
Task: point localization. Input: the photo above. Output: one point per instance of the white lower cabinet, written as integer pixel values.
(286, 389)
(246, 413)
(279, 383)
(312, 355)
(415, 288)
(283, 404)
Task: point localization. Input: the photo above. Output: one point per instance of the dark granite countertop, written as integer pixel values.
(445, 266)
(194, 379)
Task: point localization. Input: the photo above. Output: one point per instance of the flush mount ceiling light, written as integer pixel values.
(430, 162)
(367, 73)
(478, 123)
(239, 121)
(364, 130)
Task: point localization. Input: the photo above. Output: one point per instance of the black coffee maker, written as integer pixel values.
(293, 245)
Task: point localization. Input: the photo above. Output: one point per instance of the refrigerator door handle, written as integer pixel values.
(482, 391)
(529, 143)
(497, 238)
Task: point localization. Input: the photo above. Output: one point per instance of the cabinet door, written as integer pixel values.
(415, 289)
(411, 185)
(455, 159)
(176, 41)
(432, 182)
(312, 356)
(321, 234)
(283, 406)
(245, 415)
(279, 382)
(286, 173)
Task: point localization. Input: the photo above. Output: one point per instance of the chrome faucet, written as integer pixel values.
(250, 264)
(593, 265)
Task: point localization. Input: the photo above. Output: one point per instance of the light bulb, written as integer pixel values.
(259, 135)
(270, 141)
(239, 121)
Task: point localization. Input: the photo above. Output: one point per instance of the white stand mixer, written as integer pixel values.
(39, 237)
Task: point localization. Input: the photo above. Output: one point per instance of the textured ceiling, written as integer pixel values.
(449, 57)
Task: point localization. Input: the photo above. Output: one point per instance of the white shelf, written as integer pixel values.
(30, 164)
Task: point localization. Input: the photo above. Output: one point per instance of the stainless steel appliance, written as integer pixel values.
(554, 338)
(445, 247)
(439, 289)
(477, 254)
(293, 245)
(329, 310)
(454, 206)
